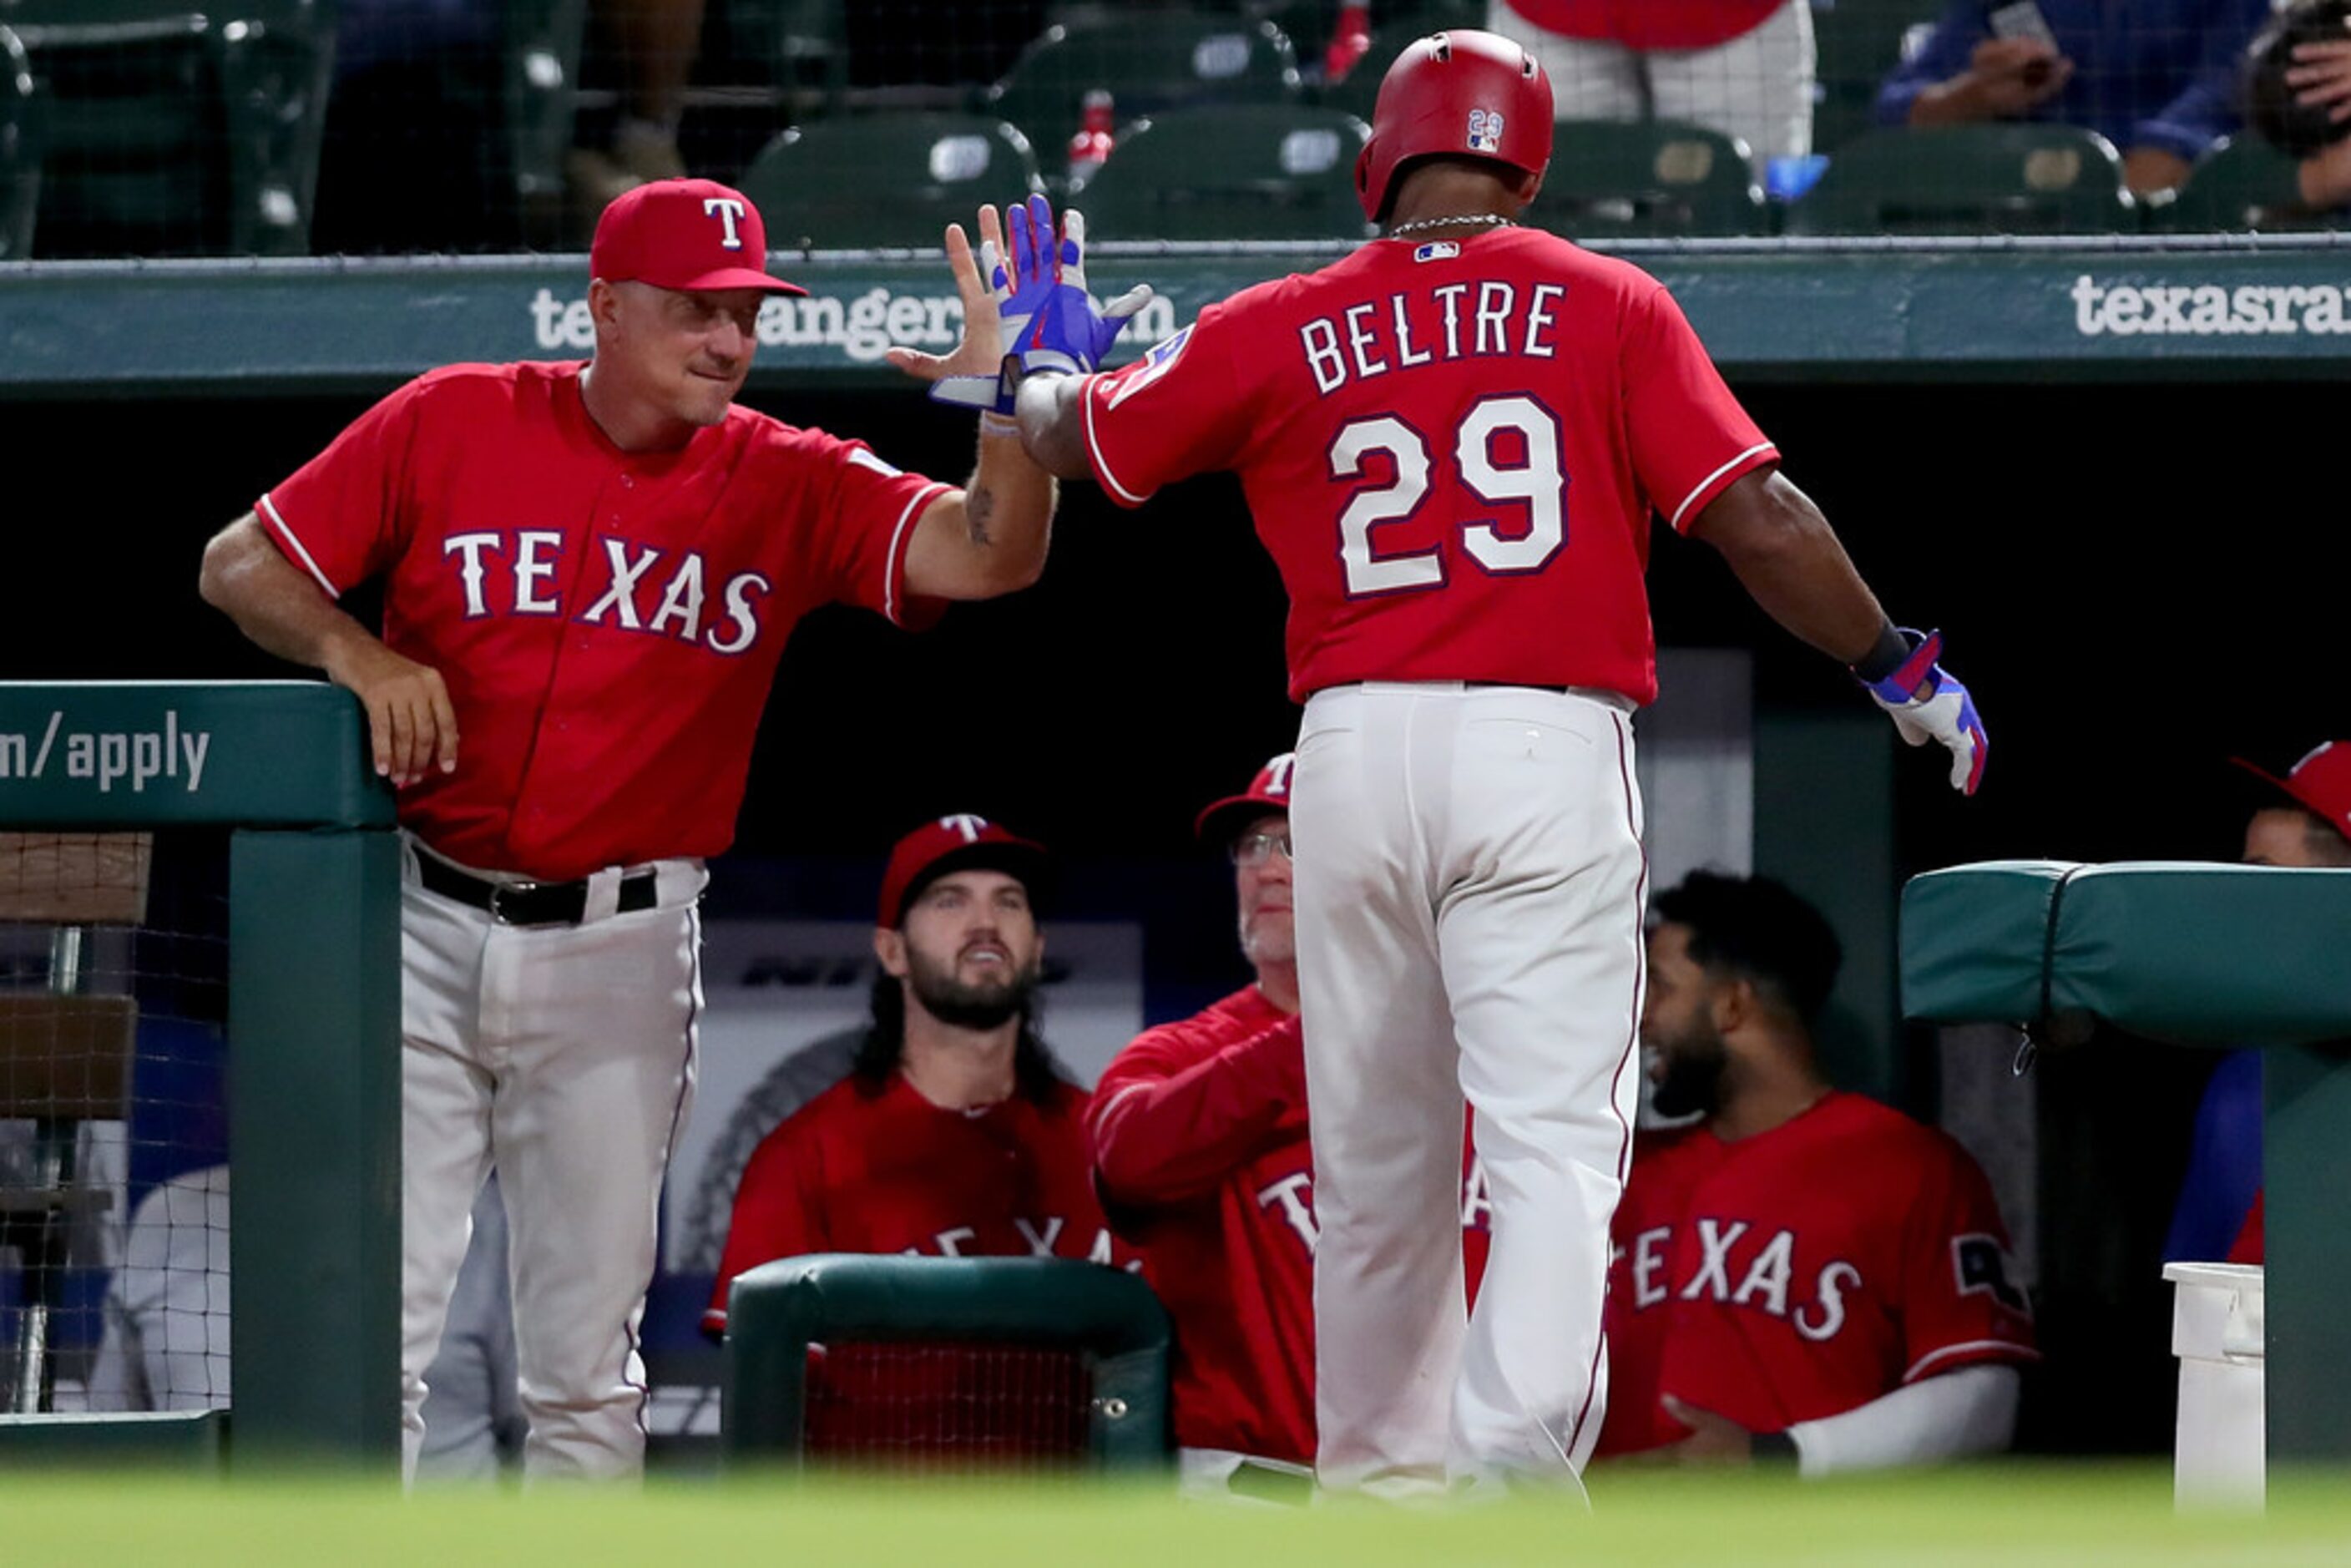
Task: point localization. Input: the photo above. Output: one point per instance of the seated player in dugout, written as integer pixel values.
(955, 1134)
(2300, 820)
(1802, 1272)
(1200, 1151)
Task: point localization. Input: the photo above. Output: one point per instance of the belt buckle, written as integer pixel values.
(498, 891)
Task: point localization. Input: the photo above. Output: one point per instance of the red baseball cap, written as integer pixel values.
(2320, 782)
(956, 843)
(1269, 791)
(684, 234)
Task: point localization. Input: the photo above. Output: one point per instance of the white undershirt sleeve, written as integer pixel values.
(1970, 1410)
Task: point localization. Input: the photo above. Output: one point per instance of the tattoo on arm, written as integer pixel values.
(978, 506)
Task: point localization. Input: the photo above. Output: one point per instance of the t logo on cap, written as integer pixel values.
(661, 233)
(969, 826)
(728, 209)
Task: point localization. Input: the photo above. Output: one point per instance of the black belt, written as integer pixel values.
(531, 902)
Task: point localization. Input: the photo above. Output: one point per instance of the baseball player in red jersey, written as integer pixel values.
(1198, 1130)
(954, 1136)
(1451, 442)
(590, 571)
(1804, 1270)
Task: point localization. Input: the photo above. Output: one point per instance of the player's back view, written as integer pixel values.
(1452, 449)
(1451, 442)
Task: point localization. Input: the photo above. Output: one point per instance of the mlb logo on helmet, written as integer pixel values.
(1485, 130)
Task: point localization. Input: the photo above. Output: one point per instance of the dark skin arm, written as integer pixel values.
(1052, 424)
(1785, 554)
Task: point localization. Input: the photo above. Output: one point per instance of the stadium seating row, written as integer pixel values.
(149, 127)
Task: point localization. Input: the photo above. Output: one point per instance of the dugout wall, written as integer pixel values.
(314, 1020)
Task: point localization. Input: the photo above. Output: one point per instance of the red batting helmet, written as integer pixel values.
(1460, 91)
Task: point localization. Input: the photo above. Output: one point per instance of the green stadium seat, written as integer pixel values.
(1859, 43)
(1642, 178)
(2246, 183)
(540, 71)
(886, 178)
(172, 130)
(1970, 180)
(1149, 62)
(20, 150)
(1243, 172)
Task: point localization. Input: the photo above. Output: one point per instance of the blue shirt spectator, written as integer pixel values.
(2156, 78)
(2224, 1164)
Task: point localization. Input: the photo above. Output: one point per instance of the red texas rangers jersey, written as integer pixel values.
(1667, 1167)
(608, 621)
(1830, 1261)
(1200, 1139)
(855, 1171)
(1451, 450)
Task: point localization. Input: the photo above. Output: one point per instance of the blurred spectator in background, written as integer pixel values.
(1741, 66)
(1804, 1272)
(954, 1135)
(2298, 95)
(2158, 79)
(2218, 1215)
(654, 44)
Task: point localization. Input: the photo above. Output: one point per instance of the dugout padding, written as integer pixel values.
(784, 1316)
(2201, 955)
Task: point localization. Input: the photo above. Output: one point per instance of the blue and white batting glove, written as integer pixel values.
(1051, 326)
(1929, 704)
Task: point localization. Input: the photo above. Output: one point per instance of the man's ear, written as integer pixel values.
(1732, 1003)
(890, 951)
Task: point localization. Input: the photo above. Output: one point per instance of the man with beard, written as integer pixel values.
(1200, 1150)
(1803, 1273)
(955, 1134)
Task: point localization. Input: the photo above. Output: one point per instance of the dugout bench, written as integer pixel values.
(2191, 954)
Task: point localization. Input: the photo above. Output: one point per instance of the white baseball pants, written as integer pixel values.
(562, 1056)
(1470, 892)
(1757, 86)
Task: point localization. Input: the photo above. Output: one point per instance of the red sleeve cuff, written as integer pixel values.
(904, 608)
(1112, 485)
(1716, 483)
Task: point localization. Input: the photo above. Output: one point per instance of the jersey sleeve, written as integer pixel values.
(1179, 410)
(339, 517)
(1961, 1300)
(867, 513)
(774, 1213)
(1690, 440)
(1178, 1110)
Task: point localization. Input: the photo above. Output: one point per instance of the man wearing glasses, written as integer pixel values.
(1198, 1135)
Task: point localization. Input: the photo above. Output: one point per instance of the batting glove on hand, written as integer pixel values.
(1051, 326)
(1927, 704)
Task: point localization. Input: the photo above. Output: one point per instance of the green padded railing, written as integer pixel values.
(2201, 955)
(774, 1312)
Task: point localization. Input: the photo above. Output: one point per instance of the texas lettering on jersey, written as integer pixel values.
(1749, 1280)
(607, 622)
(530, 562)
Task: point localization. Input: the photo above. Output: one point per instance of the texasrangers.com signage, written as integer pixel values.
(102, 754)
(858, 326)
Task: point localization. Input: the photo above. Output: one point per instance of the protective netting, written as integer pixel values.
(290, 127)
(941, 1406)
(113, 1134)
